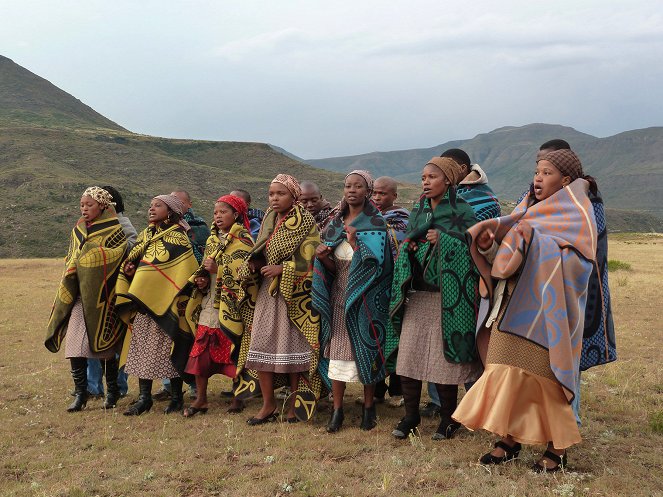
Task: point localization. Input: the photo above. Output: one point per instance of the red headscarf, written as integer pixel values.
(240, 207)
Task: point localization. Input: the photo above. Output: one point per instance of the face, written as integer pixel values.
(158, 211)
(311, 200)
(355, 190)
(384, 195)
(90, 208)
(434, 182)
(280, 198)
(548, 180)
(224, 216)
(184, 199)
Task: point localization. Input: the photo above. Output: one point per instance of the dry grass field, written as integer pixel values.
(45, 451)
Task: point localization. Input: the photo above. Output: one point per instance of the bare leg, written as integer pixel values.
(369, 395)
(294, 383)
(266, 380)
(338, 390)
(499, 451)
(201, 387)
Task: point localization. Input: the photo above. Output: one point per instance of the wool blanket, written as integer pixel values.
(551, 247)
(446, 265)
(475, 190)
(164, 262)
(397, 220)
(291, 242)
(92, 265)
(366, 296)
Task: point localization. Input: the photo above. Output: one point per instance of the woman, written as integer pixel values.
(434, 299)
(84, 308)
(542, 257)
(215, 305)
(284, 330)
(148, 290)
(351, 289)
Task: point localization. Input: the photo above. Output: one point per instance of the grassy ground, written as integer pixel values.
(45, 451)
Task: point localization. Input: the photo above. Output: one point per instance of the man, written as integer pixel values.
(199, 231)
(255, 215)
(313, 201)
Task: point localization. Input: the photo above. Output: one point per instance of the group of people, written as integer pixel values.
(308, 297)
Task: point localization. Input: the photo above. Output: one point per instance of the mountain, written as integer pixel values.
(628, 166)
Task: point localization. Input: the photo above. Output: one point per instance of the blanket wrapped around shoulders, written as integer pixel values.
(366, 296)
(91, 269)
(235, 303)
(164, 262)
(290, 242)
(446, 265)
(551, 247)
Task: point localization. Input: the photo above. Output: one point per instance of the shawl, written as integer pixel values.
(323, 215)
(164, 262)
(91, 269)
(397, 219)
(598, 343)
(446, 265)
(228, 251)
(552, 254)
(198, 233)
(366, 296)
(255, 221)
(475, 191)
(291, 242)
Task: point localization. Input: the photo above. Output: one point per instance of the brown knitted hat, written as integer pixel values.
(567, 162)
(449, 167)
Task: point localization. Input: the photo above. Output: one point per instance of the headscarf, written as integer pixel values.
(290, 183)
(100, 195)
(240, 207)
(567, 162)
(367, 178)
(175, 205)
(449, 167)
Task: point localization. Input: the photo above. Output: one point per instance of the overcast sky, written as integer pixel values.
(330, 78)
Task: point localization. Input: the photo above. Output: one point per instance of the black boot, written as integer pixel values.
(336, 420)
(110, 367)
(449, 400)
(406, 427)
(176, 396)
(369, 418)
(144, 402)
(79, 374)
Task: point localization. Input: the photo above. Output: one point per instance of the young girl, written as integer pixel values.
(215, 303)
(434, 299)
(351, 288)
(284, 331)
(148, 290)
(542, 256)
(84, 307)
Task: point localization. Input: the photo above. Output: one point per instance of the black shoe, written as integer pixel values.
(429, 410)
(446, 429)
(336, 420)
(144, 402)
(369, 418)
(79, 375)
(509, 453)
(405, 427)
(560, 463)
(176, 403)
(261, 421)
(110, 368)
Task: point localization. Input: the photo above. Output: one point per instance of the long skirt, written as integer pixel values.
(149, 350)
(77, 343)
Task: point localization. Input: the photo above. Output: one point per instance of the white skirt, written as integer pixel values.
(343, 371)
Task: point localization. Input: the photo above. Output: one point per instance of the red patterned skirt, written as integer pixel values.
(210, 354)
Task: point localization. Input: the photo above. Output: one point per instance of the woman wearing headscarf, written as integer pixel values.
(351, 289)
(215, 307)
(149, 286)
(84, 308)
(284, 331)
(541, 257)
(434, 299)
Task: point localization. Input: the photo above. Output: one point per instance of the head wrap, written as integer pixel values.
(290, 183)
(567, 162)
(175, 205)
(449, 167)
(240, 207)
(103, 198)
(367, 178)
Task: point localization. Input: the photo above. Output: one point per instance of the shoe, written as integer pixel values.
(369, 418)
(192, 411)
(261, 421)
(336, 420)
(235, 409)
(162, 394)
(509, 453)
(176, 403)
(446, 429)
(429, 410)
(144, 402)
(79, 375)
(110, 369)
(560, 463)
(405, 427)
(396, 401)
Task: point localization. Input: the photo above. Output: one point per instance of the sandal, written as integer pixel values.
(509, 453)
(261, 421)
(192, 411)
(560, 463)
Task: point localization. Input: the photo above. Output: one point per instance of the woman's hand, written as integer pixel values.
(322, 251)
(411, 246)
(271, 271)
(201, 282)
(485, 239)
(129, 269)
(433, 236)
(210, 265)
